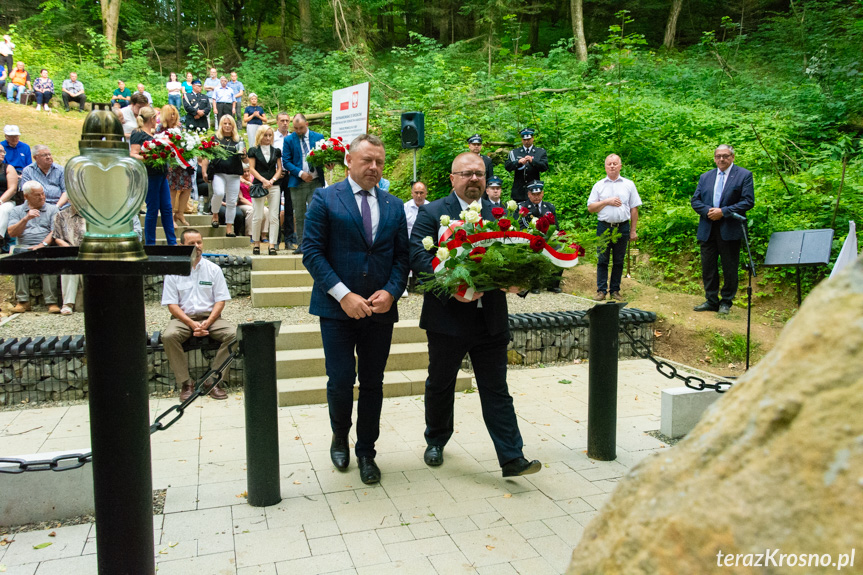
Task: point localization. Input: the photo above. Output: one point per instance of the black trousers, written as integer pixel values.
(614, 251)
(222, 109)
(714, 251)
(488, 356)
(371, 340)
(81, 99)
(288, 228)
(6, 62)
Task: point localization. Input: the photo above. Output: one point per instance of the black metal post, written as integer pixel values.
(604, 340)
(116, 338)
(750, 269)
(258, 345)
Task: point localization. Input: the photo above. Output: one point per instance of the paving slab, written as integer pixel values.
(461, 517)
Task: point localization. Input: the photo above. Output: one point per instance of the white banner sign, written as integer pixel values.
(350, 116)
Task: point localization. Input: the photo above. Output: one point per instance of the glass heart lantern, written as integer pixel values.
(107, 187)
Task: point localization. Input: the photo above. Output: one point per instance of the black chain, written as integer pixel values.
(75, 460)
(642, 350)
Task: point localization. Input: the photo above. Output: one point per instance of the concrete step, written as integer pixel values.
(206, 231)
(286, 278)
(311, 390)
(196, 220)
(281, 296)
(214, 244)
(296, 363)
(279, 263)
(308, 335)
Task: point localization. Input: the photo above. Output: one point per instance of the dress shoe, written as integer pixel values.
(521, 466)
(340, 453)
(54, 308)
(555, 290)
(218, 393)
(21, 307)
(298, 251)
(534, 291)
(600, 296)
(186, 393)
(433, 455)
(370, 473)
(615, 295)
(724, 309)
(706, 306)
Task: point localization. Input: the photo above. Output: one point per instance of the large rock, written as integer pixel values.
(777, 463)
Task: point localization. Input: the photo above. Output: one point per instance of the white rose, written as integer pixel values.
(472, 217)
(444, 220)
(511, 205)
(442, 254)
(533, 221)
(475, 206)
(428, 242)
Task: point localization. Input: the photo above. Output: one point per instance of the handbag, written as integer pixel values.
(258, 191)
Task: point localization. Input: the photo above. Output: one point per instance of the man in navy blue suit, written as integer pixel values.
(721, 194)
(356, 248)
(456, 326)
(303, 179)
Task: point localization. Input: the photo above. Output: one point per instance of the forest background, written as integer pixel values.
(659, 82)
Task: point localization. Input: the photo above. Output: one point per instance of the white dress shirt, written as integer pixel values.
(198, 292)
(340, 290)
(623, 189)
(305, 153)
(411, 211)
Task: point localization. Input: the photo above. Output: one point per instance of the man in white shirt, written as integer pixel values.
(6, 50)
(210, 84)
(196, 302)
(616, 201)
(146, 94)
(224, 98)
(419, 191)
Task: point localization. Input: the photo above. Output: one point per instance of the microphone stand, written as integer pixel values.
(750, 268)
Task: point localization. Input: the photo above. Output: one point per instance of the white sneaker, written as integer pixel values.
(47, 109)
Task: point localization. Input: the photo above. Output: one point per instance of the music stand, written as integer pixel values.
(798, 249)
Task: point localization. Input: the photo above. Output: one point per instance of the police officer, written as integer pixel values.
(493, 190)
(197, 107)
(526, 163)
(537, 208)
(474, 144)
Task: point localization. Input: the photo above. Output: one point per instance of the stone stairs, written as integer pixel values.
(283, 281)
(302, 374)
(214, 238)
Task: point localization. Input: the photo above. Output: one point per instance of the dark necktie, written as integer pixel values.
(304, 146)
(367, 216)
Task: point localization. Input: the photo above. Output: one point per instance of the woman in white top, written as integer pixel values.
(129, 115)
(175, 91)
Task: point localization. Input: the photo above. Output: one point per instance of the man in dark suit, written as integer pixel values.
(456, 326)
(721, 193)
(303, 179)
(356, 249)
(536, 208)
(526, 163)
(493, 190)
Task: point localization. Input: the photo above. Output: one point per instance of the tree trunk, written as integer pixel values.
(533, 33)
(178, 32)
(578, 29)
(306, 20)
(671, 26)
(110, 21)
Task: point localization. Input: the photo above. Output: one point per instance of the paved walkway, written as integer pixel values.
(462, 517)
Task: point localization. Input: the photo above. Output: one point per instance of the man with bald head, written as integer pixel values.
(303, 179)
(457, 326)
(615, 199)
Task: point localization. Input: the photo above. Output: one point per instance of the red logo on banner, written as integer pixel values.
(356, 99)
(344, 105)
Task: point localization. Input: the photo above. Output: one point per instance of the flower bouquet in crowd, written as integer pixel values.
(193, 144)
(328, 152)
(472, 255)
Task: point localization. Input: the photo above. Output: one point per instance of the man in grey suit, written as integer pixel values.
(721, 195)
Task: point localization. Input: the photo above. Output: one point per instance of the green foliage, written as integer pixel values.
(725, 348)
